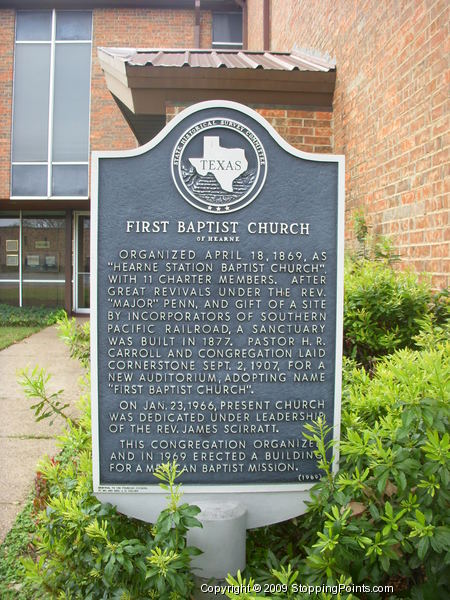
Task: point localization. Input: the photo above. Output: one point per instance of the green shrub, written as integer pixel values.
(77, 337)
(86, 550)
(13, 546)
(407, 375)
(382, 310)
(440, 307)
(387, 509)
(16, 316)
(48, 405)
(370, 246)
(383, 518)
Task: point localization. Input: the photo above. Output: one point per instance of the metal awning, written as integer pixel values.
(231, 59)
(145, 80)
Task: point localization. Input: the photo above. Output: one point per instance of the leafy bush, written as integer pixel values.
(383, 518)
(48, 405)
(440, 308)
(86, 550)
(387, 507)
(77, 337)
(370, 246)
(382, 310)
(407, 375)
(14, 545)
(16, 316)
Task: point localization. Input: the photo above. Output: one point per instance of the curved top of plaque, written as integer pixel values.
(199, 153)
(207, 106)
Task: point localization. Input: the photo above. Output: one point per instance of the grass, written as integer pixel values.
(16, 545)
(11, 335)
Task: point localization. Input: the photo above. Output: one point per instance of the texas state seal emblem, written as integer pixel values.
(219, 165)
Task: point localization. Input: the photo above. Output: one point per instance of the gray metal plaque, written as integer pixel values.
(216, 323)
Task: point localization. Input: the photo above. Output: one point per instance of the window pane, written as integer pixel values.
(84, 290)
(31, 97)
(73, 25)
(71, 105)
(34, 25)
(9, 247)
(83, 261)
(227, 27)
(9, 293)
(43, 294)
(43, 248)
(29, 180)
(70, 180)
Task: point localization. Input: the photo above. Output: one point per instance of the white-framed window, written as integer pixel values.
(227, 30)
(51, 104)
(32, 258)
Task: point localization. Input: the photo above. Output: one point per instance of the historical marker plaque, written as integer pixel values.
(217, 306)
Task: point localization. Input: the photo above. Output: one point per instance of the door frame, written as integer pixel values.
(76, 215)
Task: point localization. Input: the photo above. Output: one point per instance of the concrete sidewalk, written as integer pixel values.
(23, 441)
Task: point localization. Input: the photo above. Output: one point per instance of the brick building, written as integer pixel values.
(74, 78)
(390, 112)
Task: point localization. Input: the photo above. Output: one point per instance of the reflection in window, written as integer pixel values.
(43, 248)
(9, 293)
(32, 259)
(9, 260)
(9, 247)
(31, 101)
(227, 30)
(34, 26)
(71, 97)
(43, 294)
(69, 180)
(73, 25)
(29, 180)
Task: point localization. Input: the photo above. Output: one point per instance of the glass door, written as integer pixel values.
(82, 267)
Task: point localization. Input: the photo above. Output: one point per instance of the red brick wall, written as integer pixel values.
(391, 112)
(7, 21)
(205, 29)
(255, 33)
(136, 28)
(310, 131)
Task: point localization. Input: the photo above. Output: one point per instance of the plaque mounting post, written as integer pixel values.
(222, 540)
